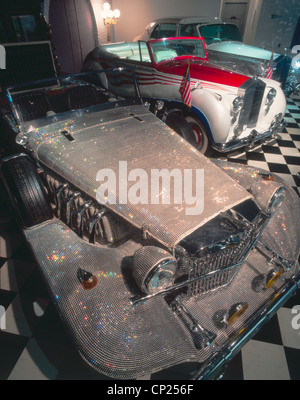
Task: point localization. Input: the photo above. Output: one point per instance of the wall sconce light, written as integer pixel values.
(110, 17)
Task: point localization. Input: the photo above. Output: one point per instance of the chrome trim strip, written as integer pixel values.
(13, 156)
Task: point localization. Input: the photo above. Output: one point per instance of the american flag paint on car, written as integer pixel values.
(226, 110)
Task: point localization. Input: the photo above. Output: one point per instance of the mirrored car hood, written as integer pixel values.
(242, 49)
(144, 145)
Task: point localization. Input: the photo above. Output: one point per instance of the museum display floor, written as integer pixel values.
(34, 345)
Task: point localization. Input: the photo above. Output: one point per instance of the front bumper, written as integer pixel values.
(214, 368)
(250, 140)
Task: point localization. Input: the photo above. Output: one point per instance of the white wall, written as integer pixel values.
(252, 20)
(276, 33)
(136, 14)
(261, 30)
(97, 7)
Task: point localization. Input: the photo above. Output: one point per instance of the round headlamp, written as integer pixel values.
(238, 130)
(271, 95)
(277, 118)
(269, 195)
(154, 269)
(159, 105)
(276, 199)
(270, 99)
(238, 103)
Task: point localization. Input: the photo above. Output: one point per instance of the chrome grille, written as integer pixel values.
(254, 91)
(210, 283)
(219, 267)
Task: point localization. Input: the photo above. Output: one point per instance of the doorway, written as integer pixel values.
(235, 13)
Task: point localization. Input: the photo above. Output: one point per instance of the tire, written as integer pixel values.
(200, 133)
(26, 191)
(179, 125)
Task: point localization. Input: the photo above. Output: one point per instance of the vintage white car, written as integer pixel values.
(228, 110)
(225, 47)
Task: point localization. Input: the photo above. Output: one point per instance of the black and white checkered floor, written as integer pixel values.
(35, 346)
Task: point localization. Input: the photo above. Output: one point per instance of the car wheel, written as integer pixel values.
(26, 191)
(201, 137)
(181, 126)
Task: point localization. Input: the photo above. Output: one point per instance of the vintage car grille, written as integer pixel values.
(254, 91)
(215, 265)
(220, 267)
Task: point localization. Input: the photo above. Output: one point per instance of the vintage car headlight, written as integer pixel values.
(154, 269)
(270, 99)
(238, 130)
(237, 105)
(271, 95)
(268, 195)
(277, 118)
(159, 105)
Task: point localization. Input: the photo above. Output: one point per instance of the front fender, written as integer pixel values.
(282, 234)
(212, 109)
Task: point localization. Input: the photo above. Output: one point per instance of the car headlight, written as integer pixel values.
(237, 105)
(238, 130)
(154, 269)
(270, 99)
(277, 118)
(159, 105)
(271, 95)
(268, 195)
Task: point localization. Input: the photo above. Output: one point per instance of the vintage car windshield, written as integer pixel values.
(46, 101)
(165, 49)
(134, 51)
(219, 33)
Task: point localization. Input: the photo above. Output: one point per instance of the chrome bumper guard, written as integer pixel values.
(216, 365)
(250, 140)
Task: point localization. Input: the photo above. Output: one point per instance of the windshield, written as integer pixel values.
(50, 100)
(170, 48)
(219, 33)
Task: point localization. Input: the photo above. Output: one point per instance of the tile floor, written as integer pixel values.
(35, 346)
